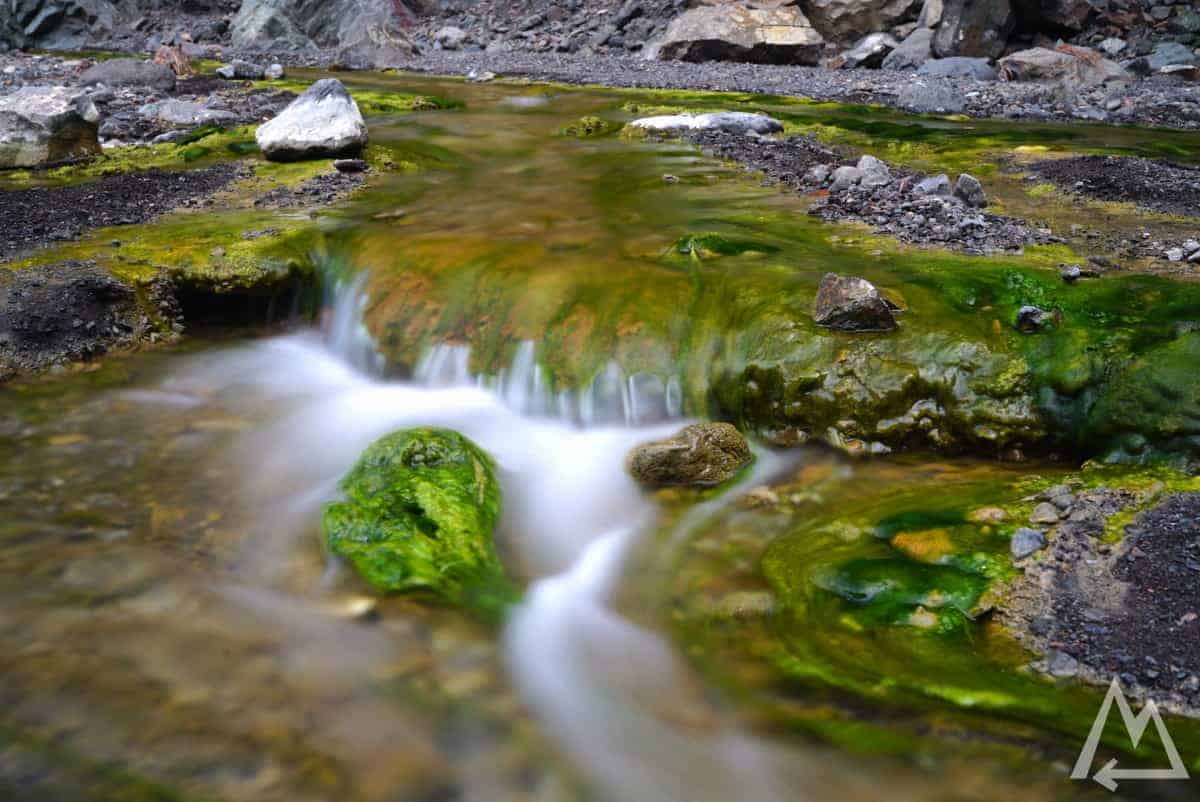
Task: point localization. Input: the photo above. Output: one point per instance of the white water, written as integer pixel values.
(614, 696)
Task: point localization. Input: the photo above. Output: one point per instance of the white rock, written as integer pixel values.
(41, 125)
(324, 121)
(734, 122)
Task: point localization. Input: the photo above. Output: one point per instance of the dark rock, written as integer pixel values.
(847, 20)
(931, 96)
(703, 454)
(915, 50)
(977, 28)
(1031, 319)
(868, 52)
(241, 71)
(852, 304)
(351, 165)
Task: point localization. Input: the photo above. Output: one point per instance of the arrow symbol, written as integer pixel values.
(1136, 726)
(1109, 774)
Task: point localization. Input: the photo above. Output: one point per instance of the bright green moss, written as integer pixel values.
(419, 512)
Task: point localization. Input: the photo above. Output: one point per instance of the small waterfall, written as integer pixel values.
(345, 331)
(613, 397)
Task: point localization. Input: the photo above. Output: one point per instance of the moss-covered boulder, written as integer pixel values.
(420, 509)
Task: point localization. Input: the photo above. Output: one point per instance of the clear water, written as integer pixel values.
(171, 628)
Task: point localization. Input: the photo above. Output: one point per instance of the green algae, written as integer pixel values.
(590, 126)
(419, 512)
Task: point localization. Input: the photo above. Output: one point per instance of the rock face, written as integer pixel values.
(737, 32)
(419, 511)
(130, 72)
(703, 455)
(912, 52)
(61, 25)
(324, 121)
(974, 28)
(366, 34)
(734, 122)
(846, 20)
(852, 304)
(46, 125)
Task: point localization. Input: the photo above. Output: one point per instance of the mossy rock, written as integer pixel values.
(586, 127)
(420, 509)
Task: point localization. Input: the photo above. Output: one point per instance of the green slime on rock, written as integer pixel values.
(420, 508)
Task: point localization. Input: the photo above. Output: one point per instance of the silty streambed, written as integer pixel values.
(172, 627)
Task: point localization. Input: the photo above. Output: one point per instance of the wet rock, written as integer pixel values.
(915, 50)
(734, 122)
(1031, 319)
(970, 191)
(242, 71)
(844, 20)
(44, 125)
(1044, 513)
(1078, 66)
(1026, 542)
(852, 304)
(702, 455)
(977, 28)
(419, 512)
(737, 32)
(869, 51)
(979, 69)
(129, 72)
(324, 121)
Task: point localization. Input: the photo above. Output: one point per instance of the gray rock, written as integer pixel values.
(977, 28)
(1044, 513)
(848, 303)
(1112, 47)
(1026, 542)
(847, 20)
(733, 122)
(1068, 15)
(324, 121)
(365, 34)
(182, 112)
(959, 67)
(703, 454)
(1042, 64)
(62, 24)
(1163, 55)
(1061, 665)
(874, 172)
(734, 32)
(845, 177)
(934, 185)
(242, 71)
(274, 72)
(915, 50)
(450, 37)
(817, 174)
(868, 52)
(931, 96)
(47, 125)
(1174, 254)
(129, 72)
(931, 14)
(970, 191)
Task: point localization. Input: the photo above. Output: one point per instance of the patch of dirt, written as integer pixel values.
(31, 218)
(1131, 610)
(70, 311)
(1153, 184)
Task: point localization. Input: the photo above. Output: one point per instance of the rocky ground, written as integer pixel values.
(911, 207)
(1099, 609)
(1154, 184)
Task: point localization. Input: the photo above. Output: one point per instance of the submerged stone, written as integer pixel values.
(852, 304)
(703, 454)
(324, 121)
(420, 509)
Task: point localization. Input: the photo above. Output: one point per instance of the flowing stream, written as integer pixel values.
(170, 626)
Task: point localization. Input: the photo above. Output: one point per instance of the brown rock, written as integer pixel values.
(703, 454)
